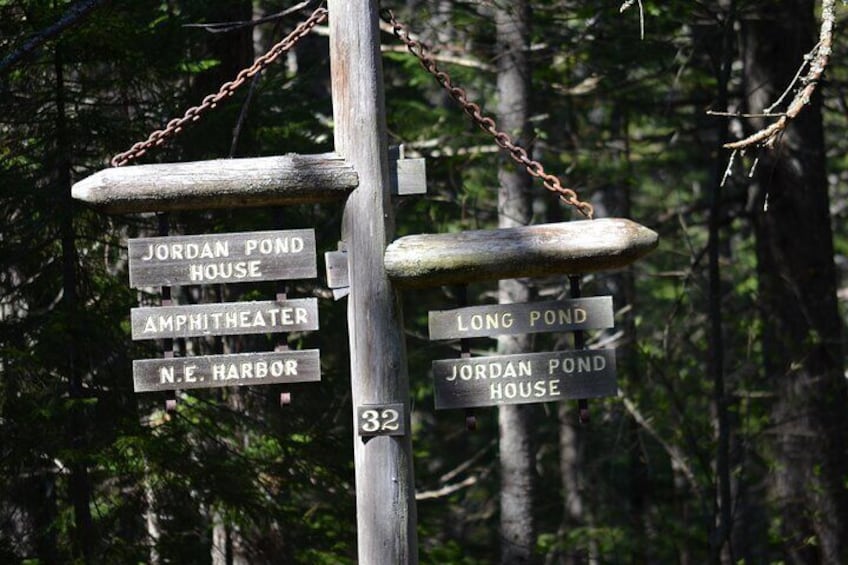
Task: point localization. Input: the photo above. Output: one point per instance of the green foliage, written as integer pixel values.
(619, 118)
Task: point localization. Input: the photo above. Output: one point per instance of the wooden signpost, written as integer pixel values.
(368, 267)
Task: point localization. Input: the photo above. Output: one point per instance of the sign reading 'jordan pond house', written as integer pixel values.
(527, 377)
(217, 259)
(222, 258)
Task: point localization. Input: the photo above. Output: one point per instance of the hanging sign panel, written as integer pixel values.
(222, 258)
(524, 378)
(229, 318)
(211, 371)
(533, 317)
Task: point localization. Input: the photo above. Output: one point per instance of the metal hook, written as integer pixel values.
(579, 343)
(470, 420)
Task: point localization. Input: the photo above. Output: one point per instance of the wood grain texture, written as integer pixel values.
(531, 251)
(385, 487)
(219, 183)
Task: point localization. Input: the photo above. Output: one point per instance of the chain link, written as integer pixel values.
(486, 123)
(175, 126)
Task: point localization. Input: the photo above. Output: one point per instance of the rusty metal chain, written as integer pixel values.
(175, 126)
(486, 123)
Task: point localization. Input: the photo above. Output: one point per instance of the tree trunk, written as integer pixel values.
(571, 459)
(78, 484)
(797, 284)
(514, 209)
(613, 201)
(721, 526)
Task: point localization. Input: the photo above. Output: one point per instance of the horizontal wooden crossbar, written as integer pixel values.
(220, 183)
(531, 251)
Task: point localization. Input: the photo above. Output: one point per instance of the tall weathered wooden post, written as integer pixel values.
(385, 490)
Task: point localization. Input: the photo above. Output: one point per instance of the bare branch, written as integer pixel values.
(627, 4)
(818, 59)
(446, 490)
(744, 115)
(72, 17)
(444, 58)
(224, 27)
(673, 451)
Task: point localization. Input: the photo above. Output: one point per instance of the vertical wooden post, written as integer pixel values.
(385, 489)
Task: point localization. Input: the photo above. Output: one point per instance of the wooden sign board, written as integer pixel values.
(533, 317)
(211, 371)
(524, 378)
(222, 258)
(229, 318)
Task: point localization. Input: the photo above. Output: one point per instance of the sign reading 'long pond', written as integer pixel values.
(222, 258)
(521, 318)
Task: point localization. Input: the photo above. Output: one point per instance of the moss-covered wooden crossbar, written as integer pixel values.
(532, 251)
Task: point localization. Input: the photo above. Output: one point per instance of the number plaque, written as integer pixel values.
(381, 420)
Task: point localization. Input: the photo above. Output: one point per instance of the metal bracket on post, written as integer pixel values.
(465, 353)
(168, 343)
(338, 276)
(579, 344)
(407, 177)
(282, 292)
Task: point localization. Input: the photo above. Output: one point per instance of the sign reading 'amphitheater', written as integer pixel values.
(270, 316)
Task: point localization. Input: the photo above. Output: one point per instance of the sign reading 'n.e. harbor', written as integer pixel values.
(222, 258)
(524, 378)
(210, 371)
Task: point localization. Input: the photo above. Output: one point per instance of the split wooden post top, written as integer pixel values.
(541, 250)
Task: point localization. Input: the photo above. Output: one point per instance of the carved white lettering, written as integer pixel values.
(524, 389)
(274, 246)
(180, 251)
(488, 321)
(254, 369)
(586, 364)
(224, 271)
(492, 370)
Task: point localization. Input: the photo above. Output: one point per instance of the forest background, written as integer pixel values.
(727, 442)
